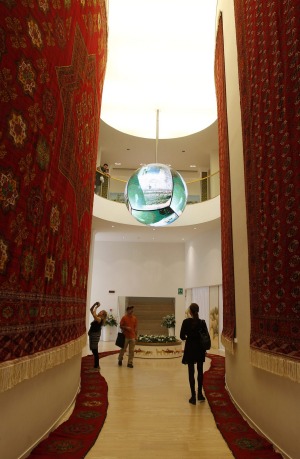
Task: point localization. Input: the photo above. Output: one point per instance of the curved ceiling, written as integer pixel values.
(122, 151)
(160, 58)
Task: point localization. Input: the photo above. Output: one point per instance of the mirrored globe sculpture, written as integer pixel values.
(156, 195)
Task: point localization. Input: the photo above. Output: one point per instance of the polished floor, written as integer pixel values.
(149, 416)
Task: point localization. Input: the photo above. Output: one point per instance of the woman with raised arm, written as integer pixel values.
(193, 351)
(95, 331)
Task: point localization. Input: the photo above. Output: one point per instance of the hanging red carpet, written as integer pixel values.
(53, 60)
(75, 437)
(228, 332)
(269, 76)
(242, 440)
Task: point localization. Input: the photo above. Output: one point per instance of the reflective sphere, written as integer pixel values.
(156, 195)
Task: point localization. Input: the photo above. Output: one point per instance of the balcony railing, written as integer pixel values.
(200, 189)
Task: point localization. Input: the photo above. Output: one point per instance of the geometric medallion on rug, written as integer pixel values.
(243, 441)
(75, 437)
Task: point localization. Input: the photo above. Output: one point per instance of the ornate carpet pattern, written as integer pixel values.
(242, 440)
(228, 332)
(53, 58)
(268, 39)
(75, 437)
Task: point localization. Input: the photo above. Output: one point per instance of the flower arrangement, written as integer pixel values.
(156, 339)
(111, 321)
(168, 321)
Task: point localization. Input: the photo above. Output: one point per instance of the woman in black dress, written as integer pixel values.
(193, 351)
(95, 331)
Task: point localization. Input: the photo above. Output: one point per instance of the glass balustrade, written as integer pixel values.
(201, 186)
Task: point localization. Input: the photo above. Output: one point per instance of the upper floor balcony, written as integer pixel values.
(203, 203)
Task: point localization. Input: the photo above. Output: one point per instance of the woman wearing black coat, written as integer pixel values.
(95, 331)
(193, 351)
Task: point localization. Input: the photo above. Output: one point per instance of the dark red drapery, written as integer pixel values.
(228, 332)
(268, 40)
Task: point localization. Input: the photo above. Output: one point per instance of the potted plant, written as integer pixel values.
(156, 339)
(110, 327)
(111, 321)
(169, 322)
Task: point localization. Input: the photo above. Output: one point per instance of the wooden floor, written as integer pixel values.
(149, 416)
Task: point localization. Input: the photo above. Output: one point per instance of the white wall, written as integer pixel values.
(29, 408)
(150, 269)
(138, 269)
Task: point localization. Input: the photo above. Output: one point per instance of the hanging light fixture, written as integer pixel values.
(156, 194)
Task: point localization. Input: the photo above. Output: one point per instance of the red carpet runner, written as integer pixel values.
(242, 440)
(75, 437)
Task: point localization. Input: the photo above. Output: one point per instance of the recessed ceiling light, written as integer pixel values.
(193, 165)
(137, 50)
(118, 164)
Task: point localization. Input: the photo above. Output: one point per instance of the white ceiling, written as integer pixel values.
(114, 232)
(181, 153)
